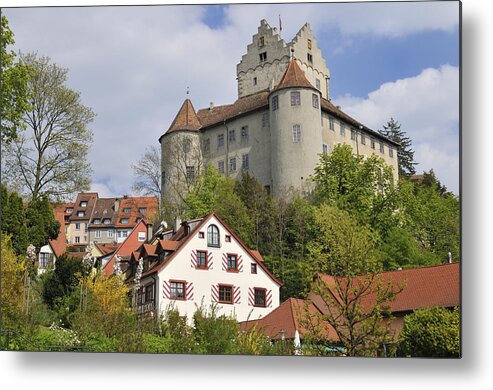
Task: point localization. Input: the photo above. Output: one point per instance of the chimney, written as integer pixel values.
(177, 224)
(148, 231)
(186, 227)
(211, 106)
(450, 257)
(117, 204)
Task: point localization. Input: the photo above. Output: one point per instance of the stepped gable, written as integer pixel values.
(294, 77)
(186, 119)
(211, 116)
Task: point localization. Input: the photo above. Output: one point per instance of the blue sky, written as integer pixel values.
(133, 65)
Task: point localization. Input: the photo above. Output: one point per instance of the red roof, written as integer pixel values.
(186, 119)
(129, 208)
(294, 77)
(59, 245)
(290, 316)
(106, 248)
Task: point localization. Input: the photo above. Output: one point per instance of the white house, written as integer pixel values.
(203, 263)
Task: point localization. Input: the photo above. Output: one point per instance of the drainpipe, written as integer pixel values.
(227, 149)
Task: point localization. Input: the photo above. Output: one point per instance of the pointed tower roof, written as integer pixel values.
(294, 77)
(186, 119)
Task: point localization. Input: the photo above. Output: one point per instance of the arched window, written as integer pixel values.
(213, 236)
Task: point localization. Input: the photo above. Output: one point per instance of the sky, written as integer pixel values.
(133, 65)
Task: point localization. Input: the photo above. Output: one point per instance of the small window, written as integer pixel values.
(201, 234)
(220, 166)
(77, 226)
(253, 268)
(106, 221)
(261, 41)
(325, 149)
(80, 213)
(331, 123)
(244, 134)
(149, 293)
(309, 44)
(391, 151)
(207, 145)
(265, 119)
(127, 210)
(96, 221)
(373, 143)
(314, 100)
(186, 146)
(225, 294)
(98, 234)
(69, 210)
(295, 98)
(232, 164)
(43, 260)
(142, 236)
(177, 290)
(310, 58)
(343, 129)
(317, 84)
(275, 103)
(363, 139)
(83, 204)
(296, 133)
(201, 259)
(86, 227)
(254, 81)
(227, 238)
(213, 236)
(124, 220)
(232, 263)
(260, 294)
(381, 147)
(232, 135)
(245, 164)
(263, 56)
(142, 210)
(190, 173)
(353, 134)
(111, 233)
(77, 240)
(220, 140)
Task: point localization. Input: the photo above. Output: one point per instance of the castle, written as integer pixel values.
(276, 130)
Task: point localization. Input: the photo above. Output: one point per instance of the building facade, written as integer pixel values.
(276, 130)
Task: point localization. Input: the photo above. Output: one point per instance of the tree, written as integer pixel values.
(50, 156)
(14, 91)
(431, 332)
(147, 172)
(14, 220)
(41, 222)
(405, 153)
(353, 294)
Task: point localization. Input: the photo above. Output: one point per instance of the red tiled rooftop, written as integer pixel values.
(294, 77)
(186, 119)
(59, 245)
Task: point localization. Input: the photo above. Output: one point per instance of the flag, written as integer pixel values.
(280, 23)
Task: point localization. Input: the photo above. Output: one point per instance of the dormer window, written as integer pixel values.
(126, 210)
(96, 221)
(83, 204)
(213, 236)
(106, 221)
(142, 210)
(69, 210)
(124, 220)
(80, 213)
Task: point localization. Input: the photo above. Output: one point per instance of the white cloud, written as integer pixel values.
(427, 107)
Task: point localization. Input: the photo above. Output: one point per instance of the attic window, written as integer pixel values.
(142, 210)
(106, 221)
(83, 204)
(227, 238)
(213, 236)
(142, 236)
(310, 57)
(80, 213)
(124, 220)
(126, 210)
(69, 210)
(263, 56)
(261, 41)
(96, 221)
(201, 234)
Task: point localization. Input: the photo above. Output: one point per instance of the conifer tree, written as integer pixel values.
(14, 220)
(41, 222)
(405, 152)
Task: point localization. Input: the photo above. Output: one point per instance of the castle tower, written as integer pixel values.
(268, 56)
(180, 153)
(296, 134)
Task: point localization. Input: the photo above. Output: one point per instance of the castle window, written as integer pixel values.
(261, 41)
(309, 44)
(275, 103)
(265, 119)
(163, 179)
(373, 143)
(220, 166)
(325, 149)
(381, 147)
(353, 134)
(232, 136)
(263, 56)
(213, 236)
(207, 145)
(186, 146)
(295, 98)
(190, 173)
(232, 164)
(315, 100)
(331, 123)
(343, 129)
(317, 84)
(310, 58)
(254, 81)
(245, 162)
(244, 134)
(296, 133)
(220, 140)
(363, 139)
(391, 151)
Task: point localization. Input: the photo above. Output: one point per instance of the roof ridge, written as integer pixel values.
(186, 119)
(293, 77)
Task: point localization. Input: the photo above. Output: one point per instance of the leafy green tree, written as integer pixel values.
(362, 186)
(50, 156)
(431, 332)
(14, 220)
(62, 281)
(14, 86)
(405, 153)
(354, 295)
(41, 222)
